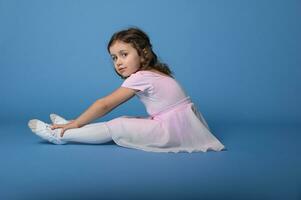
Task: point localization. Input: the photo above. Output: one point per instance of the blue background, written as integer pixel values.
(239, 61)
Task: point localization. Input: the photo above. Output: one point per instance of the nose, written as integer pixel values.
(118, 62)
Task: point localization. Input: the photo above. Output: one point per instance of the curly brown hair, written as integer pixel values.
(141, 42)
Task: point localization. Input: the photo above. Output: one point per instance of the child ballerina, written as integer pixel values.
(174, 124)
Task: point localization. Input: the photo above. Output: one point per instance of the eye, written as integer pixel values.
(113, 58)
(124, 54)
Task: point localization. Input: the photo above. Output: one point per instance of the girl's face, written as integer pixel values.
(125, 57)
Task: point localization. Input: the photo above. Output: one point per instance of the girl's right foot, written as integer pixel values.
(56, 119)
(44, 131)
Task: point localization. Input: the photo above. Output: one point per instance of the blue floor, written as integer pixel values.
(261, 162)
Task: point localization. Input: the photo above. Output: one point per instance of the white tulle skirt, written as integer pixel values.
(180, 128)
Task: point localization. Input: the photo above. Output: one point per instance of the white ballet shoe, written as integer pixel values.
(44, 131)
(56, 119)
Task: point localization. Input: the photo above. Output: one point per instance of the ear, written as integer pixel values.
(142, 61)
(144, 51)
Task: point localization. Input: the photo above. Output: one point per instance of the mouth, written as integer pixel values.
(121, 70)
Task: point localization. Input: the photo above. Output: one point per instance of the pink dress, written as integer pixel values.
(174, 123)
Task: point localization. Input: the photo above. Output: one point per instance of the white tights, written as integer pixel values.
(96, 133)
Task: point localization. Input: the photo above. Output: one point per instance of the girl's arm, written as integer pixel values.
(98, 109)
(102, 106)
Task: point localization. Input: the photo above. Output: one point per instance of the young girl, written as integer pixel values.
(174, 123)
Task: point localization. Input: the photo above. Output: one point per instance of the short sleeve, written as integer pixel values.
(137, 81)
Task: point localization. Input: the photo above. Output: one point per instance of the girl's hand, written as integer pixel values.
(71, 125)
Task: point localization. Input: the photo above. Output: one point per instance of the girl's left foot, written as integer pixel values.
(44, 131)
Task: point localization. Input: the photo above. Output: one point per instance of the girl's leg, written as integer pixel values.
(96, 133)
